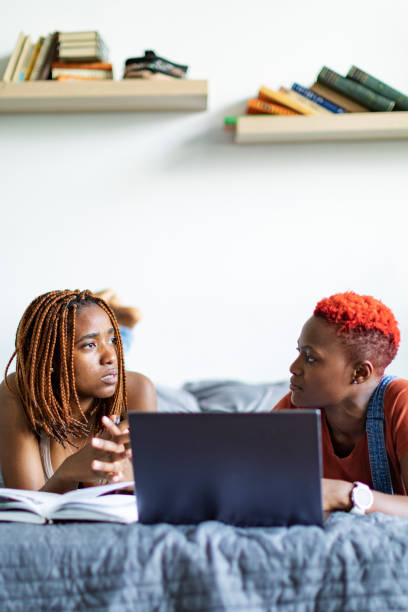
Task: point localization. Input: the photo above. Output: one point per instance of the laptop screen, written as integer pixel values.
(242, 469)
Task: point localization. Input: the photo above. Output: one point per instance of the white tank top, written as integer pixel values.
(45, 454)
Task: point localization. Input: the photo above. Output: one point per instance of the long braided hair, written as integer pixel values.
(45, 379)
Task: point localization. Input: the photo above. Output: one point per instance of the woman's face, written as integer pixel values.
(95, 355)
(322, 374)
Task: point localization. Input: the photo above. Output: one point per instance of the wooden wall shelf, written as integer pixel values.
(94, 96)
(350, 126)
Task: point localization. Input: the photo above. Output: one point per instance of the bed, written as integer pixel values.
(352, 563)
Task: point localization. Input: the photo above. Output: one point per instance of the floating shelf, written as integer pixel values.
(95, 96)
(349, 126)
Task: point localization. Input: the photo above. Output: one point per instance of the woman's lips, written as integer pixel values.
(294, 387)
(110, 379)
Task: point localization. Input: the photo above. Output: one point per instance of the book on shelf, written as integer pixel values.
(297, 96)
(41, 57)
(78, 36)
(367, 80)
(317, 99)
(18, 74)
(84, 53)
(278, 97)
(50, 55)
(11, 65)
(82, 47)
(260, 107)
(84, 65)
(337, 98)
(81, 73)
(354, 90)
(26, 63)
(89, 504)
(33, 58)
(75, 77)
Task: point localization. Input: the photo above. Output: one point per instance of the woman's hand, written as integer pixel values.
(114, 443)
(336, 495)
(105, 458)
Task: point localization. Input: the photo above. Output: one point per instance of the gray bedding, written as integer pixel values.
(353, 563)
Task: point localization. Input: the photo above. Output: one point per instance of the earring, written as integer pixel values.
(355, 382)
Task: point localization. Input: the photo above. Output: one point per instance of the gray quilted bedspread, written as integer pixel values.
(353, 563)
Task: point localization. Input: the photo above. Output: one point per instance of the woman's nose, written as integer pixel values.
(109, 354)
(295, 367)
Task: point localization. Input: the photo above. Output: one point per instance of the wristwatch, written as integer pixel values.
(361, 497)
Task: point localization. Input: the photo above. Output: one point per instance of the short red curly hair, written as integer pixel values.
(366, 326)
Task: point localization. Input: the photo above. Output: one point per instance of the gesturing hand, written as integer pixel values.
(113, 464)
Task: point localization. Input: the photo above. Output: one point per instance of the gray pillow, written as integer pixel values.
(236, 396)
(175, 400)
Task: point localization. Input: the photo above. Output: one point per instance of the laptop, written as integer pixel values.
(242, 469)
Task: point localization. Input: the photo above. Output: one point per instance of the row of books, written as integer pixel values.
(70, 51)
(331, 93)
(66, 56)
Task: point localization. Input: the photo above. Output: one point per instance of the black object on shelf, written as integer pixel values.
(151, 64)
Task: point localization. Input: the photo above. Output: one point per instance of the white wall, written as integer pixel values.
(225, 248)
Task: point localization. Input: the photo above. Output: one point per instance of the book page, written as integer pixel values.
(116, 507)
(35, 501)
(44, 503)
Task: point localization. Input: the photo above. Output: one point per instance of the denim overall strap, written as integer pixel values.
(380, 471)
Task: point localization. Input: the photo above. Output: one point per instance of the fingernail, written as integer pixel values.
(96, 442)
(96, 464)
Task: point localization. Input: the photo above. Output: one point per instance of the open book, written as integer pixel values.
(88, 504)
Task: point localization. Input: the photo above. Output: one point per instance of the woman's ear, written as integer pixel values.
(362, 372)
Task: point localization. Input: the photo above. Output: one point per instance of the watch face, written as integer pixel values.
(362, 496)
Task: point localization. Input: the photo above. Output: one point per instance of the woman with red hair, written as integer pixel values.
(344, 349)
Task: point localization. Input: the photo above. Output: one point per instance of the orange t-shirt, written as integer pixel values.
(356, 466)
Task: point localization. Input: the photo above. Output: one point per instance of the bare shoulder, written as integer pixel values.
(11, 409)
(141, 393)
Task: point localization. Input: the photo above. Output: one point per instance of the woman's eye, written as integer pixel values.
(310, 359)
(89, 345)
(114, 340)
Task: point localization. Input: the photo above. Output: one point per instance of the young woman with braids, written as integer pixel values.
(60, 411)
(344, 349)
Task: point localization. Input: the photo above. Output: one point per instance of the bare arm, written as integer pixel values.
(337, 496)
(19, 450)
(20, 458)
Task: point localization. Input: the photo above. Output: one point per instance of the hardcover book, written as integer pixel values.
(400, 99)
(351, 106)
(81, 72)
(270, 95)
(39, 62)
(320, 100)
(33, 58)
(320, 110)
(369, 98)
(78, 36)
(83, 65)
(88, 504)
(50, 55)
(260, 107)
(9, 72)
(25, 51)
